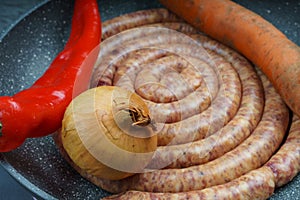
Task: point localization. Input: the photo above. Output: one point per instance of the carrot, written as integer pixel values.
(250, 34)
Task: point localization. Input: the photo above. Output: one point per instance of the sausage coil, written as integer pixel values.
(223, 131)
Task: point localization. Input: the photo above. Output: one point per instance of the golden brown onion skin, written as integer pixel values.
(107, 132)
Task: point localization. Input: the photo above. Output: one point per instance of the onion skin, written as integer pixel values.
(107, 132)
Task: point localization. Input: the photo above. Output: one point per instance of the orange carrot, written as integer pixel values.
(250, 34)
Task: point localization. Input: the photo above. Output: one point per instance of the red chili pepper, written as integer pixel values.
(38, 111)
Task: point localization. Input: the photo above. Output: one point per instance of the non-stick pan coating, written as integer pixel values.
(28, 49)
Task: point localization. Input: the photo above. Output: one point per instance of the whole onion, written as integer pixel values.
(108, 133)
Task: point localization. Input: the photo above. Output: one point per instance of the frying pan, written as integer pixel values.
(27, 50)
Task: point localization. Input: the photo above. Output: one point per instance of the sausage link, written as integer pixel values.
(139, 18)
(208, 122)
(177, 26)
(140, 38)
(249, 155)
(255, 185)
(281, 168)
(231, 135)
(160, 74)
(285, 164)
(161, 97)
(125, 70)
(165, 97)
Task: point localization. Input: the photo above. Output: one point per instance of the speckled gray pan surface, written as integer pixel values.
(27, 50)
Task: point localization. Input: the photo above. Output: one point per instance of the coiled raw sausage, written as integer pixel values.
(219, 120)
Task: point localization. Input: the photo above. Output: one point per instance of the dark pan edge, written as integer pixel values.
(4, 33)
(37, 192)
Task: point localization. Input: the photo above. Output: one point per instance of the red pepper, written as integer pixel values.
(38, 111)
